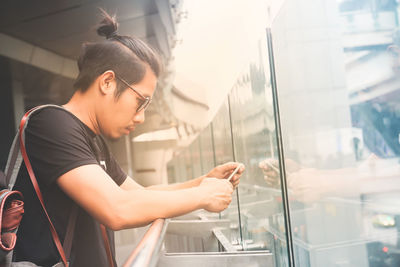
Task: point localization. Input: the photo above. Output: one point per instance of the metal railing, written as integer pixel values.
(147, 251)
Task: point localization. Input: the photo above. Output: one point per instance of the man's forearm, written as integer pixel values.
(170, 187)
(140, 207)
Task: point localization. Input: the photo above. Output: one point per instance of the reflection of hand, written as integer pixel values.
(215, 194)
(307, 185)
(223, 171)
(270, 169)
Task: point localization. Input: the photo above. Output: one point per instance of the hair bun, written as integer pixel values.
(108, 26)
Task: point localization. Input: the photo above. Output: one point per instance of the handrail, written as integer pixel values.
(144, 253)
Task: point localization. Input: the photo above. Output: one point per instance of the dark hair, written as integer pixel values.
(126, 56)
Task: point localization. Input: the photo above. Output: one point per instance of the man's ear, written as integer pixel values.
(107, 83)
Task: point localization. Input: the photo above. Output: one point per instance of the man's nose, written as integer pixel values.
(139, 117)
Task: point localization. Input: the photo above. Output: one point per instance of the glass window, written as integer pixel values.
(224, 153)
(253, 125)
(222, 135)
(196, 158)
(188, 163)
(172, 170)
(255, 216)
(180, 167)
(337, 69)
(207, 154)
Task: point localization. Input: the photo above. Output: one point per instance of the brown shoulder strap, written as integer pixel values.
(65, 250)
(69, 235)
(107, 245)
(36, 187)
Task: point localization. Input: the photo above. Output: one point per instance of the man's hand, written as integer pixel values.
(215, 194)
(223, 171)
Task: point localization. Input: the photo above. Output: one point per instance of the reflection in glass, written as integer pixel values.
(208, 160)
(250, 111)
(196, 158)
(224, 153)
(222, 135)
(338, 88)
(255, 141)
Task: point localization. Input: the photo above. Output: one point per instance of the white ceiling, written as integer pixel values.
(61, 26)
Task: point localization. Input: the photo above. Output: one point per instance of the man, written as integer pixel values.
(116, 81)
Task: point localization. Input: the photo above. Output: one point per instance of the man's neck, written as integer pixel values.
(82, 106)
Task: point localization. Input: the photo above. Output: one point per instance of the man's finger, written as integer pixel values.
(271, 174)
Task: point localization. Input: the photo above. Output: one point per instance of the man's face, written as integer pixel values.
(120, 115)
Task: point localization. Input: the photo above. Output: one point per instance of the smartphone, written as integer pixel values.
(271, 166)
(234, 172)
(273, 181)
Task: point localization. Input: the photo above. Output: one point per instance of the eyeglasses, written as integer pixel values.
(144, 101)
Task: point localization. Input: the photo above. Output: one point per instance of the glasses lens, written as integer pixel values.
(143, 104)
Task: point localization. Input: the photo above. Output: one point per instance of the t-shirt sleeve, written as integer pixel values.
(56, 143)
(115, 171)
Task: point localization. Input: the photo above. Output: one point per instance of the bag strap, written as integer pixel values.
(107, 245)
(36, 185)
(13, 165)
(15, 159)
(11, 172)
(69, 235)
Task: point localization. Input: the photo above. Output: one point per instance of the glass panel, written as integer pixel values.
(199, 156)
(224, 153)
(196, 159)
(256, 222)
(206, 150)
(188, 163)
(180, 168)
(222, 135)
(255, 143)
(337, 67)
(172, 170)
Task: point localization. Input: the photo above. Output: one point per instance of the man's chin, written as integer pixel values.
(114, 137)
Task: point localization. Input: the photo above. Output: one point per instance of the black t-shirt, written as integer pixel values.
(57, 142)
